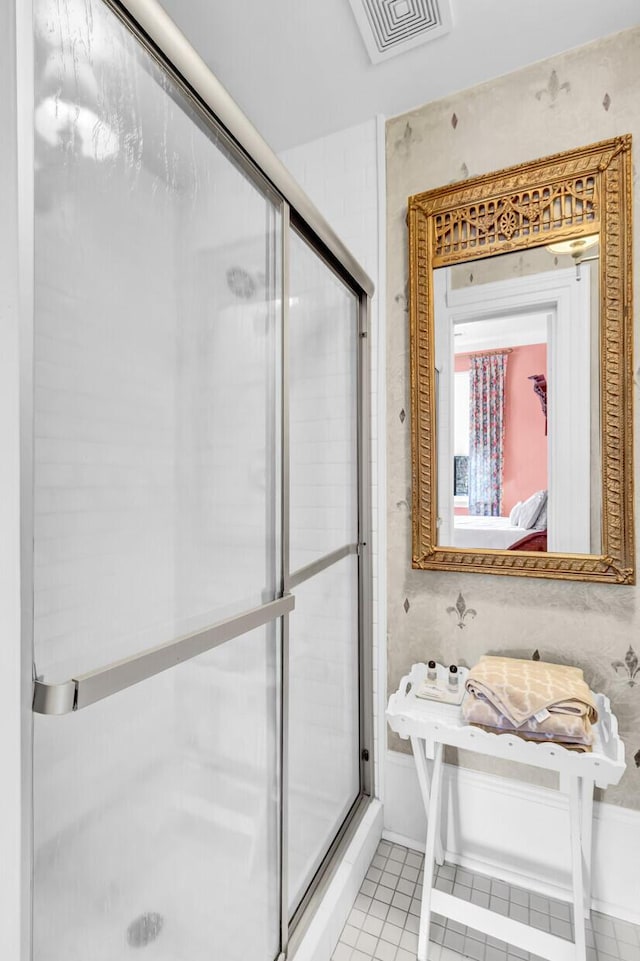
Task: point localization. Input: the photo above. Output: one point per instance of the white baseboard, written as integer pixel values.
(517, 832)
(323, 933)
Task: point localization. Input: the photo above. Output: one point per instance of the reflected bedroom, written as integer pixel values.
(518, 425)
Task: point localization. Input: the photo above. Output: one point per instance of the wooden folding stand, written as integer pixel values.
(430, 726)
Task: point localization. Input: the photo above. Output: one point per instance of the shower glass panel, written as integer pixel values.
(324, 762)
(155, 355)
(196, 444)
(157, 405)
(156, 815)
(323, 390)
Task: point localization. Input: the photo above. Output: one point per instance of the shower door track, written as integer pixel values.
(162, 38)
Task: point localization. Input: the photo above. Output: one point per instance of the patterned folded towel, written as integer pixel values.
(530, 736)
(520, 689)
(566, 729)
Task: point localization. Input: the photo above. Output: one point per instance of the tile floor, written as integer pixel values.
(383, 923)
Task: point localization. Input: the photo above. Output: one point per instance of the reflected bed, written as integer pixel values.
(496, 533)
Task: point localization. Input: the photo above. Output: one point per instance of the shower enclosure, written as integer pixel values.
(200, 572)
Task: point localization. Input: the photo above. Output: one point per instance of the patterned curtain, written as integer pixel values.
(486, 432)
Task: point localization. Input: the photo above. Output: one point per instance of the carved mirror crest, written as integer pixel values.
(522, 369)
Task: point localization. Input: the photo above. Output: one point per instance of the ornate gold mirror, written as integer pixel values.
(522, 369)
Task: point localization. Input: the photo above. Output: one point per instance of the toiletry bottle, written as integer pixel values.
(453, 678)
(432, 674)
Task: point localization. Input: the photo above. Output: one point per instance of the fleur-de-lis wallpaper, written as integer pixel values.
(629, 666)
(585, 95)
(461, 611)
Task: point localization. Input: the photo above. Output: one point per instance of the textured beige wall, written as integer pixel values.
(588, 94)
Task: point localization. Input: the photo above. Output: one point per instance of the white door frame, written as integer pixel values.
(16, 501)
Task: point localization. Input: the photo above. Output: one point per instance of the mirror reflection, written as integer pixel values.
(518, 412)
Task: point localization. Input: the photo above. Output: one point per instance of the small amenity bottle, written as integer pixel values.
(432, 674)
(453, 678)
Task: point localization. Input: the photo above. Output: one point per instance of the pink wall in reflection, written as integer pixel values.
(525, 442)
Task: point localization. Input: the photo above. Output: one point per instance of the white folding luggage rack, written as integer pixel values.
(431, 725)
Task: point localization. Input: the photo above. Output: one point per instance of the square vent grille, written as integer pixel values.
(390, 27)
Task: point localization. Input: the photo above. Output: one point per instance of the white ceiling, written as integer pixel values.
(299, 69)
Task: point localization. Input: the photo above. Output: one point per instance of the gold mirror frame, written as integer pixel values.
(534, 204)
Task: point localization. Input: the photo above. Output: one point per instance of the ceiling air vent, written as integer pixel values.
(390, 27)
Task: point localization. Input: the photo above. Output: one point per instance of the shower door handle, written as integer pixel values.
(85, 689)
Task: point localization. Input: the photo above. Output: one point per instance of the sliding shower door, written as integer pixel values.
(157, 493)
(324, 737)
(198, 474)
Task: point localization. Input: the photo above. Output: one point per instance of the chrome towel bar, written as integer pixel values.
(79, 692)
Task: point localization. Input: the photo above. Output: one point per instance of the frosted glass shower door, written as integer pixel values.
(155, 354)
(156, 508)
(324, 738)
